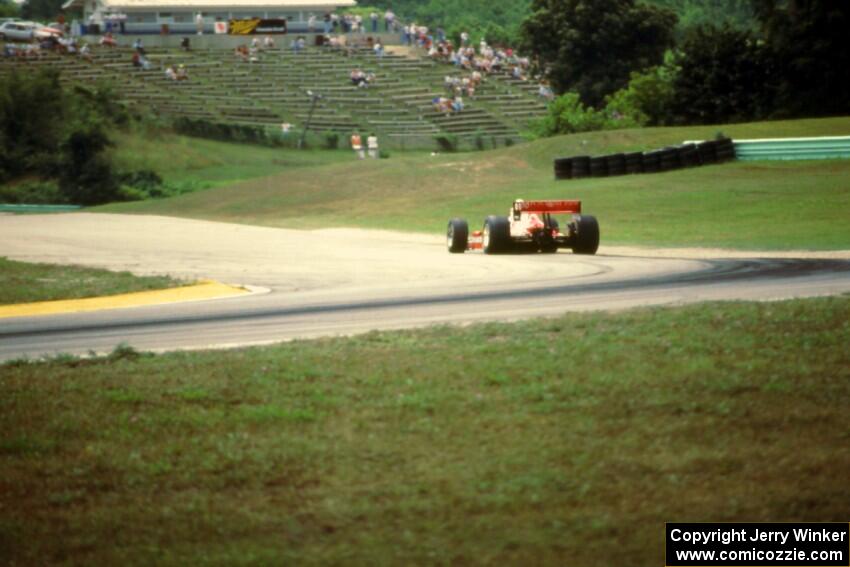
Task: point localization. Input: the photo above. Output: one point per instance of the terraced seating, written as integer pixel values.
(277, 87)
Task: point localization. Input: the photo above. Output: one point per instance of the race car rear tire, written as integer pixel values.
(586, 239)
(496, 236)
(457, 236)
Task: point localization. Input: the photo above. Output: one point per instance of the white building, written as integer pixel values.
(149, 16)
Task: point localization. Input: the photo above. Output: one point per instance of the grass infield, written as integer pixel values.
(566, 440)
(748, 205)
(23, 282)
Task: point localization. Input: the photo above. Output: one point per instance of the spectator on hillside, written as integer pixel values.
(544, 91)
(241, 51)
(389, 20)
(184, 44)
(311, 23)
(327, 22)
(457, 104)
(379, 49)
(372, 144)
(358, 23)
(199, 23)
(108, 41)
(170, 73)
(374, 18)
(255, 42)
(137, 45)
(85, 52)
(182, 74)
(358, 78)
(268, 42)
(357, 145)
(464, 39)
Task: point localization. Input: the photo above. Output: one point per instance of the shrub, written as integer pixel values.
(32, 193)
(566, 115)
(447, 142)
(331, 140)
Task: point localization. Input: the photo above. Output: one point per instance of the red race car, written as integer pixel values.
(530, 226)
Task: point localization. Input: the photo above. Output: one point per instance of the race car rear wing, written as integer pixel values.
(552, 207)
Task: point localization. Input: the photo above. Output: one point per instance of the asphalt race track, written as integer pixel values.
(336, 282)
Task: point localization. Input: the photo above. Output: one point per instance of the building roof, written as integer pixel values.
(119, 5)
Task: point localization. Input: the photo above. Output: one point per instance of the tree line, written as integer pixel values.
(55, 142)
(622, 63)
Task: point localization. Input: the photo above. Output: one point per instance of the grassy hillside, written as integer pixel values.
(567, 442)
(194, 163)
(770, 205)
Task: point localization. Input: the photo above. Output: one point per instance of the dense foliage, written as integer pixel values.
(692, 13)
(8, 9)
(723, 75)
(592, 46)
(59, 138)
(810, 46)
(794, 65)
(44, 10)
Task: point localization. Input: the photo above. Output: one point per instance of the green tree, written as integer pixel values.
(8, 9)
(724, 75)
(57, 134)
(32, 112)
(41, 9)
(592, 46)
(810, 43)
(738, 14)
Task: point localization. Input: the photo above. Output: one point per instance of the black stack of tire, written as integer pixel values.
(665, 159)
(581, 166)
(652, 161)
(634, 162)
(598, 166)
(689, 155)
(564, 168)
(725, 149)
(670, 159)
(707, 152)
(616, 164)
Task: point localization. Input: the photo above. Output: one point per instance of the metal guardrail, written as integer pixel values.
(836, 147)
(38, 208)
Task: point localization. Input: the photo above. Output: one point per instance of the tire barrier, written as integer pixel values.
(665, 159)
(598, 167)
(564, 168)
(634, 162)
(581, 167)
(616, 164)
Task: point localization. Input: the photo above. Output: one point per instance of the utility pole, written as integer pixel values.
(315, 98)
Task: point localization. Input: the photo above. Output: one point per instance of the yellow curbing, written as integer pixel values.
(203, 290)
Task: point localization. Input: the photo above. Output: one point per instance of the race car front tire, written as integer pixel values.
(586, 238)
(496, 236)
(457, 236)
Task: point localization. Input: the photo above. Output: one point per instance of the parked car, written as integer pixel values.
(26, 31)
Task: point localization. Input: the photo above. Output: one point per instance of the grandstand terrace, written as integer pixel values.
(223, 88)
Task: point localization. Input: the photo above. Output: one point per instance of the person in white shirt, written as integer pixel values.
(372, 144)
